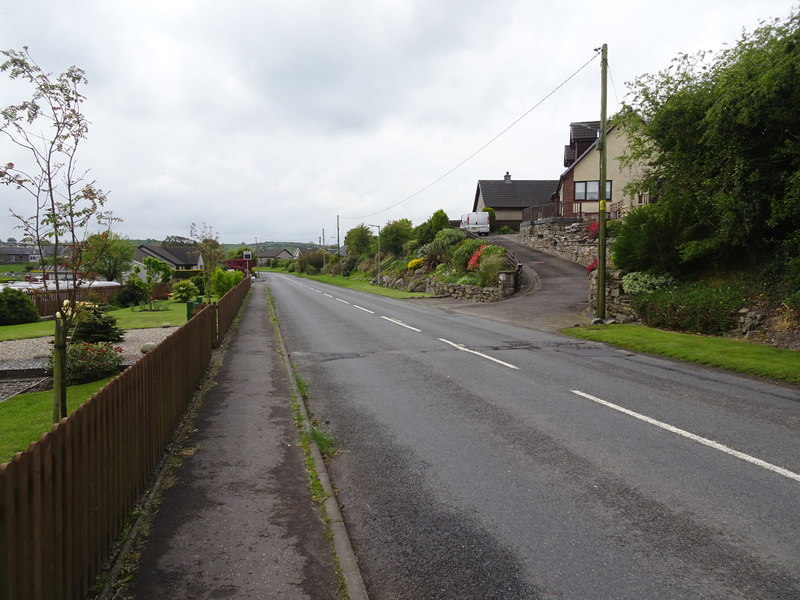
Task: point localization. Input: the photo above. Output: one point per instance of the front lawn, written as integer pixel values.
(26, 417)
(735, 355)
(174, 313)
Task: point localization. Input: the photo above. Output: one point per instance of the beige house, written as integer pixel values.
(578, 191)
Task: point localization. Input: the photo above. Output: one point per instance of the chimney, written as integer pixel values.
(507, 177)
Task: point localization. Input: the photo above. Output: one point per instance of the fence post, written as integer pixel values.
(215, 325)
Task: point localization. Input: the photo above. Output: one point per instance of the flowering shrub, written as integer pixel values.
(460, 255)
(475, 260)
(639, 282)
(89, 362)
(413, 264)
(591, 266)
(593, 231)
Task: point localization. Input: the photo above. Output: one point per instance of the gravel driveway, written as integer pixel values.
(32, 354)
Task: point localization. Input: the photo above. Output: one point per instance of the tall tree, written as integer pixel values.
(211, 251)
(48, 129)
(358, 240)
(720, 139)
(108, 254)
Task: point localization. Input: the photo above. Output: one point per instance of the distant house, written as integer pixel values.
(27, 254)
(179, 258)
(266, 254)
(509, 198)
(578, 191)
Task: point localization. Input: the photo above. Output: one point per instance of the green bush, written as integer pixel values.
(200, 284)
(132, 293)
(89, 362)
(185, 290)
(691, 307)
(792, 302)
(16, 307)
(224, 281)
(463, 252)
(646, 240)
(613, 226)
(94, 326)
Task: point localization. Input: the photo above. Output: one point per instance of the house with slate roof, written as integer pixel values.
(510, 197)
(179, 258)
(578, 189)
(265, 254)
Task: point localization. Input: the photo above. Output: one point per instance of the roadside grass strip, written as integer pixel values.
(691, 436)
(732, 354)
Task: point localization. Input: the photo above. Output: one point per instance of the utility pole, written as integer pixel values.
(338, 247)
(379, 251)
(324, 252)
(601, 217)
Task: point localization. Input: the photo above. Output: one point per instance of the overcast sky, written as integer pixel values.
(266, 120)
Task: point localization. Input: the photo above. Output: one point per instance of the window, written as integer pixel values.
(590, 191)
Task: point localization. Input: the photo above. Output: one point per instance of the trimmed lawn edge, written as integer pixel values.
(739, 356)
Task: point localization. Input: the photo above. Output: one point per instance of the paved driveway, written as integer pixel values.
(556, 296)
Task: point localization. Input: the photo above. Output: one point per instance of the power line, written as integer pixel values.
(479, 150)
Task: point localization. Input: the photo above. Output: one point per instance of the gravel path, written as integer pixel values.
(32, 354)
(37, 348)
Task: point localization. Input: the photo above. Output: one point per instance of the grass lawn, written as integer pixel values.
(734, 355)
(127, 318)
(18, 270)
(353, 284)
(25, 417)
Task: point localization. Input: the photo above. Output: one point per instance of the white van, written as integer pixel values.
(476, 222)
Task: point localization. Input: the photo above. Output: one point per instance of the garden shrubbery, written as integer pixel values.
(88, 362)
(693, 307)
(185, 290)
(224, 281)
(16, 308)
(132, 293)
(95, 325)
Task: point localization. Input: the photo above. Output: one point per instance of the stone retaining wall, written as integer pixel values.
(418, 282)
(567, 239)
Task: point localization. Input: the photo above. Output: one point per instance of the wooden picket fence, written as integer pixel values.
(65, 499)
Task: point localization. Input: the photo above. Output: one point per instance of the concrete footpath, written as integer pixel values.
(238, 521)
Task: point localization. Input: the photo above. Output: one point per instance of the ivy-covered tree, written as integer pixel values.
(719, 138)
(45, 131)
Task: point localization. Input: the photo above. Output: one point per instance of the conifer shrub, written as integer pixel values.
(95, 325)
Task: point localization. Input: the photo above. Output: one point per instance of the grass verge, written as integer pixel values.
(355, 284)
(734, 355)
(308, 435)
(27, 416)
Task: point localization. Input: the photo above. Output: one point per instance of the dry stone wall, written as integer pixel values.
(568, 239)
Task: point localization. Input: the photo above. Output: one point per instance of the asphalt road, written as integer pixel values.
(484, 460)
